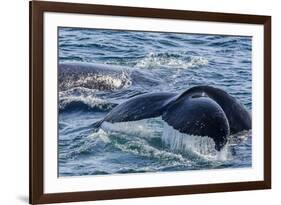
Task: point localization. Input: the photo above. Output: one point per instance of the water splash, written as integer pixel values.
(154, 60)
(141, 148)
(101, 135)
(91, 144)
(138, 132)
(202, 146)
(136, 128)
(132, 137)
(82, 99)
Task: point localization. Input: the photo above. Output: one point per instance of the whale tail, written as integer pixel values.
(200, 111)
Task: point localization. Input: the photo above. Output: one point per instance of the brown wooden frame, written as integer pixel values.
(37, 8)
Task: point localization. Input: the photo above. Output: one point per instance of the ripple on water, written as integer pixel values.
(156, 62)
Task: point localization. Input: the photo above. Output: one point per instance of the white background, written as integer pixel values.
(14, 101)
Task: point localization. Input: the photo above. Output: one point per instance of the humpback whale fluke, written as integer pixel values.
(200, 110)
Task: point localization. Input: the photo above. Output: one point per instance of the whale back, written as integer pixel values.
(92, 76)
(102, 77)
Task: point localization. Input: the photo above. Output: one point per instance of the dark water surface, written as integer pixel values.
(146, 62)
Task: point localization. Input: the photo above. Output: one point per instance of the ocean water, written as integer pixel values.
(146, 62)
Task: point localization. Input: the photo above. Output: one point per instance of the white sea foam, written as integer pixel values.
(92, 102)
(90, 143)
(134, 133)
(161, 60)
(84, 96)
(137, 128)
(100, 135)
(178, 143)
(140, 148)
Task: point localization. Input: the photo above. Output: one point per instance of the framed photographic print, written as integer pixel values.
(139, 102)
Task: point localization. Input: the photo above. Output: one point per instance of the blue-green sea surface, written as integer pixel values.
(162, 62)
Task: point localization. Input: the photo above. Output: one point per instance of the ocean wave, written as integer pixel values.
(140, 148)
(92, 143)
(228, 42)
(82, 99)
(170, 60)
(105, 139)
(239, 137)
(138, 134)
(134, 137)
(84, 103)
(174, 151)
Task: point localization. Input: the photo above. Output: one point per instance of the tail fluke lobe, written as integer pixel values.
(137, 108)
(200, 116)
(140, 107)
